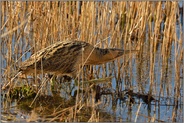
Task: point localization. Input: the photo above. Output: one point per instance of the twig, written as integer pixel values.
(138, 112)
(14, 29)
(39, 91)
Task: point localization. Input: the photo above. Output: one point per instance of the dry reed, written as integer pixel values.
(147, 26)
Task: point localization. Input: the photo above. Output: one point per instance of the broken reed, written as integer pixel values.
(148, 26)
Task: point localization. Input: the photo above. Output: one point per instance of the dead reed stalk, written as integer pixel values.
(147, 26)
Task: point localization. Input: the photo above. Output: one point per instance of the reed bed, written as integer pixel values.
(153, 28)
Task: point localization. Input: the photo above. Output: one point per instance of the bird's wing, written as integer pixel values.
(45, 52)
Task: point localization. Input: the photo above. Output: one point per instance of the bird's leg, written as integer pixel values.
(53, 84)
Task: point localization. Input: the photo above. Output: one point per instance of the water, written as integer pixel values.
(120, 108)
(134, 76)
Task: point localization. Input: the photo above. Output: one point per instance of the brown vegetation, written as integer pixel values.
(151, 27)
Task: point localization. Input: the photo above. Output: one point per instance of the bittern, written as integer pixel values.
(64, 58)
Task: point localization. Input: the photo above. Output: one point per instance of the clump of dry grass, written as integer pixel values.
(147, 26)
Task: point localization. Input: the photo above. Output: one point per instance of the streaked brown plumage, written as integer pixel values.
(64, 58)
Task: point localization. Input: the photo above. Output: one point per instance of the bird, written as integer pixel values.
(64, 58)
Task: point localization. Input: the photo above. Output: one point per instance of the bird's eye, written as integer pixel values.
(105, 52)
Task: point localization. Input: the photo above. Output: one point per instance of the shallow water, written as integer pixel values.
(129, 73)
